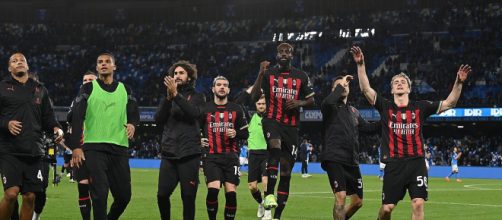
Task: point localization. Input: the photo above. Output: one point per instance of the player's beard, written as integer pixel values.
(284, 63)
(221, 97)
(20, 74)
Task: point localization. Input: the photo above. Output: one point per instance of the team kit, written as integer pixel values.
(205, 132)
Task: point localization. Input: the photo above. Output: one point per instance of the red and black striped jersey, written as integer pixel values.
(279, 87)
(216, 120)
(402, 127)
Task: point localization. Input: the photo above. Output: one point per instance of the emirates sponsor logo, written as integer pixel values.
(403, 128)
(284, 93)
(220, 126)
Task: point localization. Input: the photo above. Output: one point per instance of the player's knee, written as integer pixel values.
(29, 197)
(340, 197)
(387, 208)
(123, 199)
(10, 196)
(418, 204)
(357, 203)
(286, 172)
(275, 143)
(253, 187)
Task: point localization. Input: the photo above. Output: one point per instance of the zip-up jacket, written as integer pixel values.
(29, 104)
(341, 126)
(179, 118)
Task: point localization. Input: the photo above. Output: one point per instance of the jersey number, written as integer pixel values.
(236, 170)
(422, 181)
(39, 176)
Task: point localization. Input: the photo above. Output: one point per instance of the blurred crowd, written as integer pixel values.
(429, 44)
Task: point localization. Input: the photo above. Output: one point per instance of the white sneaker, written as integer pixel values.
(303, 176)
(68, 175)
(261, 211)
(72, 181)
(267, 215)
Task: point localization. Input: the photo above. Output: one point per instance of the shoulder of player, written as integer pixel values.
(126, 87)
(233, 106)
(298, 72)
(86, 88)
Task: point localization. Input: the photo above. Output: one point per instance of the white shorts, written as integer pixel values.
(243, 161)
(454, 168)
(382, 166)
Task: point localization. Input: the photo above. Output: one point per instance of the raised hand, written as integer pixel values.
(463, 72)
(264, 66)
(348, 78)
(357, 54)
(171, 86)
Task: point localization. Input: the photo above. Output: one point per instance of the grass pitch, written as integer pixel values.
(310, 198)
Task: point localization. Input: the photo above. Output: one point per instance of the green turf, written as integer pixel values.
(309, 199)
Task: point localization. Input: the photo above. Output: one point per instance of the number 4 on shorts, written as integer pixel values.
(39, 176)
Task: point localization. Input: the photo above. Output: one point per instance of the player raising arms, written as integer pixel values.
(402, 140)
(286, 89)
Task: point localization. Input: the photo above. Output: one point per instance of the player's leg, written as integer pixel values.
(119, 177)
(188, 171)
(97, 165)
(168, 180)
(337, 182)
(213, 174)
(355, 190)
(41, 197)
(8, 201)
(254, 175)
(287, 162)
(230, 200)
(27, 206)
(393, 189)
(264, 181)
(11, 179)
(84, 198)
(32, 183)
(418, 187)
(231, 179)
(456, 174)
(271, 132)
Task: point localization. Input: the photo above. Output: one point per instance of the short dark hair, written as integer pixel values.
(187, 66)
(88, 72)
(108, 54)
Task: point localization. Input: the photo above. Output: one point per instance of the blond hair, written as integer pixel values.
(401, 75)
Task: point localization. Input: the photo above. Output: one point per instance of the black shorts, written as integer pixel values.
(224, 169)
(81, 173)
(344, 178)
(25, 172)
(67, 158)
(404, 175)
(287, 134)
(257, 165)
